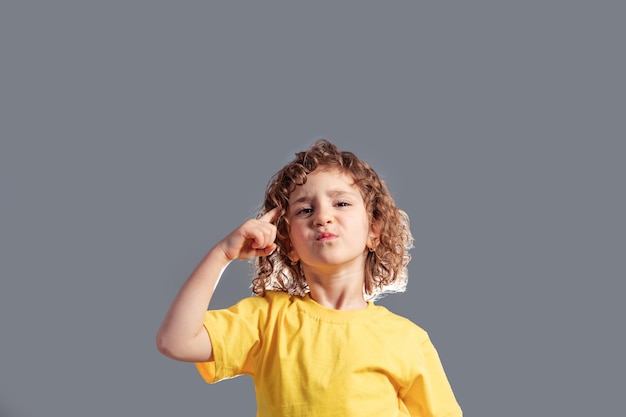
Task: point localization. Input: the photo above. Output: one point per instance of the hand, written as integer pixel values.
(253, 238)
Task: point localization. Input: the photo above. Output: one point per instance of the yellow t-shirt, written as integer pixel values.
(309, 360)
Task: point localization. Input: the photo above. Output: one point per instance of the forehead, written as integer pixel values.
(327, 181)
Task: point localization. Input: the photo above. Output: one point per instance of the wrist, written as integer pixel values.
(219, 256)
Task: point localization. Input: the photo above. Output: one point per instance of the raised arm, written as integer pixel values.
(182, 335)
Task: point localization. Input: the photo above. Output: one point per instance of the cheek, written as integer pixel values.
(295, 236)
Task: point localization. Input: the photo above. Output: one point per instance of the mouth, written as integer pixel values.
(324, 236)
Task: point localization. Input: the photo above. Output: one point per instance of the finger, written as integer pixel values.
(271, 215)
(267, 250)
(262, 236)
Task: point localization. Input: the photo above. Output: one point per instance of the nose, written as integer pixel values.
(322, 217)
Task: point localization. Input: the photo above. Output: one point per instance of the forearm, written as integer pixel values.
(182, 335)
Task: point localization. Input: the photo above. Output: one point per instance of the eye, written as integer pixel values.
(343, 204)
(304, 211)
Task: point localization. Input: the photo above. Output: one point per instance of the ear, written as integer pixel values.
(374, 235)
(293, 256)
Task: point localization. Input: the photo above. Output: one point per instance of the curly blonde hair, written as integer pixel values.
(385, 267)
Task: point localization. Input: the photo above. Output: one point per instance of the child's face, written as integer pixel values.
(329, 223)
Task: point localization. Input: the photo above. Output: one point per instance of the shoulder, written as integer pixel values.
(268, 297)
(269, 300)
(393, 322)
(278, 296)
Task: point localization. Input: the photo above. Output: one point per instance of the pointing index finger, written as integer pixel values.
(271, 215)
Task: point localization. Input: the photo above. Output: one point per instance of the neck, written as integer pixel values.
(342, 291)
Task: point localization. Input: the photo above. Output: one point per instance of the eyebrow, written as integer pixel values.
(331, 193)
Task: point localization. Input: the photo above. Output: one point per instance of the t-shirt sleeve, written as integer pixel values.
(430, 394)
(234, 333)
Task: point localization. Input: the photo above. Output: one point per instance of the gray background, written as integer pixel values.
(135, 134)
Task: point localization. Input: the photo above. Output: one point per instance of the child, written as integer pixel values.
(329, 241)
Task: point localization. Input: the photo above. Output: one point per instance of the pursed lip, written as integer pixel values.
(325, 236)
